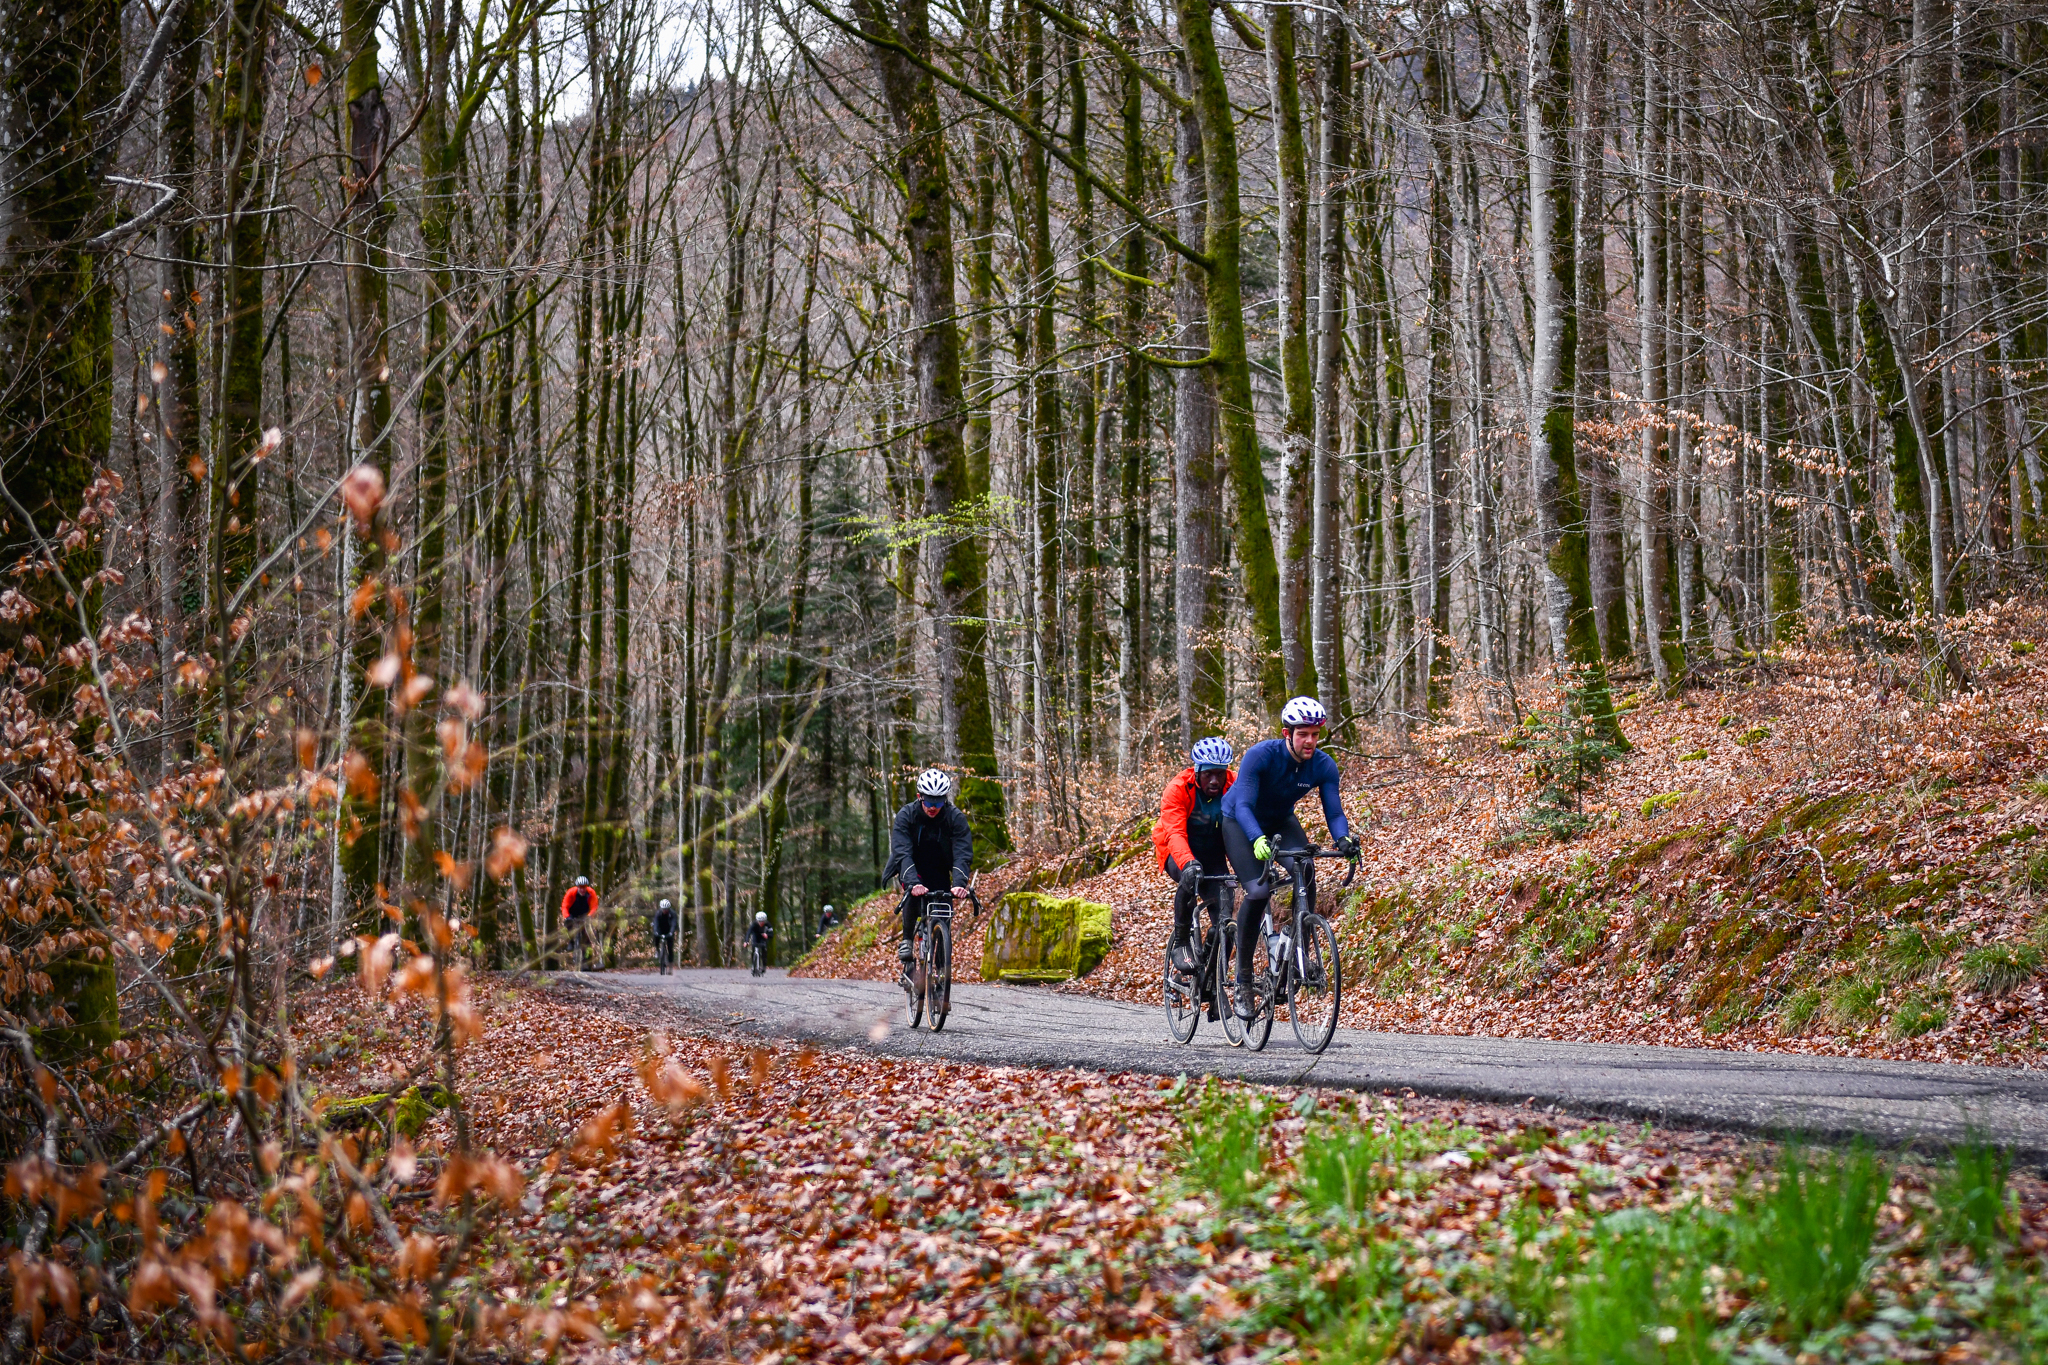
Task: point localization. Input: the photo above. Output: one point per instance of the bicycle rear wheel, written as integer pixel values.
(1183, 1003)
(1225, 985)
(1318, 985)
(940, 992)
(1265, 986)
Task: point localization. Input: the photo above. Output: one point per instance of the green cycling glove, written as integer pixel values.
(1262, 849)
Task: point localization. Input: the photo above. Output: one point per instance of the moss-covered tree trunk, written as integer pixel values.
(61, 64)
(913, 104)
(1553, 368)
(1223, 245)
(1297, 377)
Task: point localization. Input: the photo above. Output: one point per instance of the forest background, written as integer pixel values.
(451, 449)
(747, 405)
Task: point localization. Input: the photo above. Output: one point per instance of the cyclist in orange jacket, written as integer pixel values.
(579, 904)
(1189, 839)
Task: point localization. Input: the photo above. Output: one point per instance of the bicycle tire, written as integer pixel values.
(917, 980)
(1319, 989)
(939, 1003)
(1181, 995)
(760, 964)
(1265, 989)
(1226, 977)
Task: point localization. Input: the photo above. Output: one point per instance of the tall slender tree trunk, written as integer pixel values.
(1565, 571)
(1197, 658)
(1223, 245)
(1333, 60)
(1297, 374)
(913, 105)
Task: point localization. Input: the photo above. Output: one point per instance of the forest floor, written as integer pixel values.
(1805, 852)
(694, 1194)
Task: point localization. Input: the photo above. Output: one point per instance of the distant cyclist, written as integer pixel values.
(664, 935)
(1275, 774)
(759, 935)
(929, 845)
(827, 919)
(579, 905)
(1189, 839)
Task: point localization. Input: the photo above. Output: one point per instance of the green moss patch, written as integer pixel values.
(1036, 937)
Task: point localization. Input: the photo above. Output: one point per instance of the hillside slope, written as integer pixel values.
(1805, 853)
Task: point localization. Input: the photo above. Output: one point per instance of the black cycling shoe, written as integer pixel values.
(1183, 954)
(1243, 1001)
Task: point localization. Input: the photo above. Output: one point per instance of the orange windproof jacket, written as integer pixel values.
(1170, 835)
(569, 901)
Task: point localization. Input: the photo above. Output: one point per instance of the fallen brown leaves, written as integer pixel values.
(690, 1195)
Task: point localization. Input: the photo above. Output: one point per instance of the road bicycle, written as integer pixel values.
(931, 959)
(664, 953)
(1295, 964)
(1190, 992)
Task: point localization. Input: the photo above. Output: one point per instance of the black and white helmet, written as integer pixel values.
(1303, 711)
(760, 917)
(934, 785)
(583, 881)
(665, 904)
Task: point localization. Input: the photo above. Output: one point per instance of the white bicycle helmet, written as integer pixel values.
(760, 917)
(665, 904)
(1303, 711)
(934, 785)
(1213, 752)
(583, 881)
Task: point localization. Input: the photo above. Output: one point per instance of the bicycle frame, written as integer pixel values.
(1297, 966)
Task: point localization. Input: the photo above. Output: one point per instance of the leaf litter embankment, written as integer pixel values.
(693, 1195)
(1802, 855)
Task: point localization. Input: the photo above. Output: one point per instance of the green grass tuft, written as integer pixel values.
(1225, 1147)
(2000, 968)
(1854, 1002)
(1807, 1236)
(2036, 867)
(1642, 1293)
(1910, 954)
(1922, 1011)
(1972, 1206)
(1799, 1010)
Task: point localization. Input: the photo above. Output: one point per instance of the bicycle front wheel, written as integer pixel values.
(1318, 985)
(1226, 986)
(1183, 1003)
(1265, 987)
(920, 973)
(940, 990)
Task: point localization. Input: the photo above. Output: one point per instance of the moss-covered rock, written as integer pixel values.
(1036, 937)
(408, 1111)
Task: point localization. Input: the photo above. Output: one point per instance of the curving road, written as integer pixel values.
(1896, 1104)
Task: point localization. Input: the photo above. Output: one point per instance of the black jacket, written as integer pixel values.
(664, 921)
(935, 852)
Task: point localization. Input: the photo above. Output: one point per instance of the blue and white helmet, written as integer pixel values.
(1213, 752)
(1303, 711)
(934, 785)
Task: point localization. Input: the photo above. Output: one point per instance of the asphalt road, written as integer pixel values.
(1896, 1104)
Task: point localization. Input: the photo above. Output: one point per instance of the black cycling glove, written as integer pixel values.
(1190, 878)
(1348, 846)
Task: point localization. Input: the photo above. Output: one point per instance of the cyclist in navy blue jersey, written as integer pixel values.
(1259, 817)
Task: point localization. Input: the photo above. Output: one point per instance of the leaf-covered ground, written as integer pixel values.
(697, 1195)
(1802, 854)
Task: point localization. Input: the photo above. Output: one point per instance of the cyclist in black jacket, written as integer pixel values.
(760, 934)
(929, 845)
